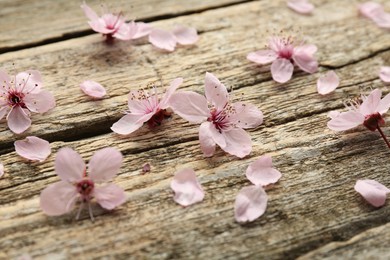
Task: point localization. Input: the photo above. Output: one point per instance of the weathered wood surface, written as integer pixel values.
(312, 206)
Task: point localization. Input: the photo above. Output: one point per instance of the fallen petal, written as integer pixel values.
(162, 39)
(261, 171)
(93, 89)
(328, 83)
(370, 9)
(33, 148)
(384, 74)
(185, 35)
(372, 191)
(1, 169)
(186, 187)
(251, 203)
(301, 6)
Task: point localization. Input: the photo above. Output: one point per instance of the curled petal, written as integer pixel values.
(58, 198)
(371, 102)
(1, 169)
(164, 103)
(189, 105)
(69, 165)
(33, 148)
(238, 142)
(130, 123)
(305, 62)
(301, 6)
(384, 74)
(109, 196)
(143, 29)
(162, 39)
(328, 83)
(93, 89)
(262, 57)
(216, 93)
(346, 120)
(89, 13)
(247, 115)
(185, 35)
(261, 172)
(18, 120)
(207, 143)
(105, 164)
(282, 70)
(186, 187)
(250, 204)
(372, 191)
(40, 102)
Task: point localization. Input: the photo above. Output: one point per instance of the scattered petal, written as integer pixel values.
(384, 74)
(185, 35)
(327, 83)
(1, 170)
(162, 39)
(301, 6)
(372, 191)
(186, 187)
(261, 172)
(370, 9)
(250, 204)
(93, 89)
(33, 148)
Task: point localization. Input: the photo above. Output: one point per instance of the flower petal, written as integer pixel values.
(58, 198)
(130, 123)
(93, 89)
(164, 103)
(215, 92)
(33, 148)
(261, 171)
(262, 57)
(370, 9)
(384, 104)
(18, 120)
(69, 165)
(301, 6)
(372, 191)
(346, 120)
(282, 70)
(207, 143)
(1, 169)
(29, 81)
(371, 103)
(5, 80)
(238, 142)
(186, 187)
(109, 196)
(143, 29)
(190, 105)
(305, 61)
(3, 111)
(382, 20)
(250, 204)
(247, 115)
(333, 114)
(327, 83)
(105, 164)
(208, 130)
(162, 39)
(307, 49)
(89, 13)
(40, 102)
(185, 35)
(384, 74)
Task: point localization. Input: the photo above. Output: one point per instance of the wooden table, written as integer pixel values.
(313, 212)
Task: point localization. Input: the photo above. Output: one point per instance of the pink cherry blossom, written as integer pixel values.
(301, 6)
(384, 74)
(368, 112)
(167, 40)
(261, 172)
(93, 89)
(145, 107)
(376, 13)
(20, 96)
(33, 148)
(1, 169)
(328, 82)
(222, 122)
(186, 187)
(283, 55)
(250, 204)
(76, 185)
(372, 191)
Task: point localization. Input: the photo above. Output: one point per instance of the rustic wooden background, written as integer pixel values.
(313, 212)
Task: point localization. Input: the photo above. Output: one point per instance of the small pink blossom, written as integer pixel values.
(76, 185)
(328, 83)
(301, 6)
(167, 40)
(384, 74)
(222, 122)
(261, 172)
(372, 191)
(93, 89)
(376, 13)
(283, 55)
(33, 148)
(20, 96)
(1, 169)
(145, 107)
(187, 188)
(368, 112)
(250, 204)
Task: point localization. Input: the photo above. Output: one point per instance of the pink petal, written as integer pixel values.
(162, 39)
(185, 35)
(282, 70)
(300, 6)
(4, 81)
(143, 29)
(383, 20)
(3, 111)
(208, 129)
(372, 191)
(1, 169)
(346, 120)
(33, 148)
(164, 103)
(262, 57)
(370, 103)
(100, 26)
(305, 62)
(238, 142)
(139, 105)
(384, 105)
(207, 143)
(327, 83)
(333, 114)
(250, 204)
(29, 81)
(109, 196)
(307, 49)
(186, 187)
(216, 93)
(105, 164)
(69, 165)
(261, 171)
(126, 31)
(189, 105)
(130, 123)
(89, 13)
(384, 74)
(58, 198)
(247, 115)
(93, 89)
(370, 9)
(18, 120)
(40, 102)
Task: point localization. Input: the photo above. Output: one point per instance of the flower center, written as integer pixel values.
(16, 99)
(373, 121)
(85, 188)
(158, 117)
(219, 119)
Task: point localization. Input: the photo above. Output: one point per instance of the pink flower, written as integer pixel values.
(33, 148)
(368, 112)
(376, 13)
(261, 172)
(222, 122)
(60, 198)
(187, 188)
(301, 6)
(372, 191)
(284, 55)
(328, 82)
(384, 74)
(146, 107)
(93, 89)
(167, 40)
(22, 95)
(250, 204)
(1, 169)
(111, 25)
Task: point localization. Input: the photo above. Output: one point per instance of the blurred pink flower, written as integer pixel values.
(167, 40)
(20, 96)
(60, 197)
(186, 187)
(222, 122)
(372, 191)
(376, 13)
(301, 6)
(145, 107)
(33, 148)
(284, 55)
